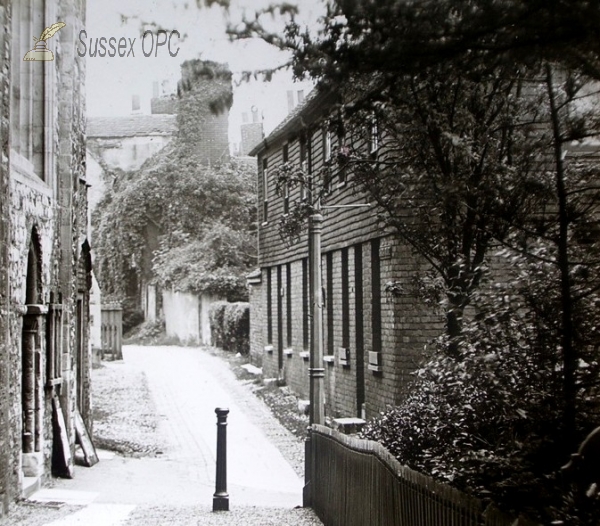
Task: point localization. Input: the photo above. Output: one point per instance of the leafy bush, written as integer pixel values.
(236, 326)
(131, 318)
(230, 326)
(215, 315)
(150, 333)
(489, 421)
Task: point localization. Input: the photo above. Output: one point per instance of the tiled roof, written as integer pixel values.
(131, 126)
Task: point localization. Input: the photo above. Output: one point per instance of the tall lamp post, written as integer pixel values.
(316, 369)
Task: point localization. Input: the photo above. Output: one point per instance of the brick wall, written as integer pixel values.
(252, 134)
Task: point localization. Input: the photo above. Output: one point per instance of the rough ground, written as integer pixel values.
(125, 418)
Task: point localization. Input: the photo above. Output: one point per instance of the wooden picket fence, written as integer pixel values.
(112, 331)
(355, 482)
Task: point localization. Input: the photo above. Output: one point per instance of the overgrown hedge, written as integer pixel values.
(230, 326)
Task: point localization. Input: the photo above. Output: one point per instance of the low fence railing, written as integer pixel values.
(112, 331)
(355, 482)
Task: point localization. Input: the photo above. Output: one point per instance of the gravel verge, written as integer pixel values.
(237, 516)
(125, 419)
(35, 514)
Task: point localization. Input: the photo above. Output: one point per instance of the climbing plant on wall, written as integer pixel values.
(179, 220)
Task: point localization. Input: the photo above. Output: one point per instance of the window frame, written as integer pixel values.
(374, 135)
(342, 170)
(269, 306)
(265, 189)
(286, 186)
(329, 304)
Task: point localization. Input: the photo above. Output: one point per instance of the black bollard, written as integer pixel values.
(221, 497)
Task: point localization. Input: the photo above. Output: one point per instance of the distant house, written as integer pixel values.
(45, 262)
(123, 143)
(372, 340)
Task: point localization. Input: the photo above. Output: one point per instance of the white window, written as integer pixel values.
(327, 145)
(265, 189)
(374, 135)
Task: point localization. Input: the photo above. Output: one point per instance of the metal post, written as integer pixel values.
(316, 370)
(221, 497)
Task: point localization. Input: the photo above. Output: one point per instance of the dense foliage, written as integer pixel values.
(230, 326)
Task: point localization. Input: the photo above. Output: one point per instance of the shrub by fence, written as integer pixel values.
(230, 326)
(355, 482)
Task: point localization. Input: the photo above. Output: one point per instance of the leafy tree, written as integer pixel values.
(568, 230)
(392, 36)
(455, 172)
(203, 217)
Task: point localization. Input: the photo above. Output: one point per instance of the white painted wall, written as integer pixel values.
(206, 302)
(187, 316)
(182, 315)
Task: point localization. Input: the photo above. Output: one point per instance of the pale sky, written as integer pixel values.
(112, 81)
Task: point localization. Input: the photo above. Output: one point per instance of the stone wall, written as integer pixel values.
(6, 438)
(44, 203)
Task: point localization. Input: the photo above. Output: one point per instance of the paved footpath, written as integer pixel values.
(187, 384)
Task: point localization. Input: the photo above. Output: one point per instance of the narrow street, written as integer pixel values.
(177, 487)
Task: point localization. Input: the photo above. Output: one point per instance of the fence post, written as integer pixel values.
(307, 500)
(221, 497)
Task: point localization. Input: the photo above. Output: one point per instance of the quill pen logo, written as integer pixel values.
(41, 51)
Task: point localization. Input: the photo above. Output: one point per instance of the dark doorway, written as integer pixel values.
(79, 349)
(360, 339)
(279, 323)
(30, 356)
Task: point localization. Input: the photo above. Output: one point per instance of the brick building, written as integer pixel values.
(372, 340)
(45, 261)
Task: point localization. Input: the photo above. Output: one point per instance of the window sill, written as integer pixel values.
(305, 355)
(54, 382)
(269, 349)
(22, 171)
(288, 351)
(329, 359)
